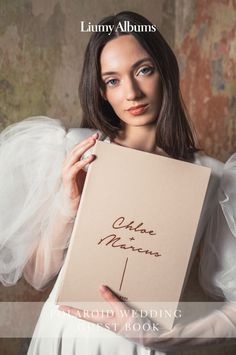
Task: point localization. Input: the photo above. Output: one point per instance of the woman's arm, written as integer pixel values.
(48, 256)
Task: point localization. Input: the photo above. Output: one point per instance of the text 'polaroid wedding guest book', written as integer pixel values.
(134, 229)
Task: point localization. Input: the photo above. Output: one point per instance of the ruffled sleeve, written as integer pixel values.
(218, 266)
(35, 219)
(210, 200)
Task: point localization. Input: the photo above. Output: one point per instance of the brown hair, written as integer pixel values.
(173, 131)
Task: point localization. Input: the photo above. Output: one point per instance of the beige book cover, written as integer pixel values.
(134, 229)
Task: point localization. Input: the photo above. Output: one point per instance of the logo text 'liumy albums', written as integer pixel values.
(125, 26)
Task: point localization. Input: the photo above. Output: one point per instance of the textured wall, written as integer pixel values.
(41, 51)
(206, 46)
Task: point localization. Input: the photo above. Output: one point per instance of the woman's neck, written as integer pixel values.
(141, 138)
(138, 137)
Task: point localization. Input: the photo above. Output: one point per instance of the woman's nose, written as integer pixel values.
(132, 90)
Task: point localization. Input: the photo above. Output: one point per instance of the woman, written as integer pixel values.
(130, 95)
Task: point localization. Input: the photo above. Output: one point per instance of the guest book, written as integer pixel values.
(134, 229)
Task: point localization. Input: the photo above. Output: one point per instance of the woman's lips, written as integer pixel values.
(138, 110)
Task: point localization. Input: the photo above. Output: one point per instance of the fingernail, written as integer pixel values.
(95, 135)
(103, 288)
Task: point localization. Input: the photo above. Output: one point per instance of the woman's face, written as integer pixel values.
(131, 80)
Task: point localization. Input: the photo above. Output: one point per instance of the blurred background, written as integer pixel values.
(41, 52)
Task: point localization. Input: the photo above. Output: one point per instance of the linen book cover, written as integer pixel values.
(134, 229)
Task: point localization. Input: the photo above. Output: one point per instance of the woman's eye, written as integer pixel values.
(145, 70)
(112, 82)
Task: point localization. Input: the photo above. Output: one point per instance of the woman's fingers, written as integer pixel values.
(91, 316)
(97, 316)
(81, 164)
(77, 153)
(114, 318)
(112, 299)
(72, 172)
(91, 138)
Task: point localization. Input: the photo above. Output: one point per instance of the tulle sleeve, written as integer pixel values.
(218, 266)
(35, 218)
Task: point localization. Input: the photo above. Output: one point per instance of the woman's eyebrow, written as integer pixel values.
(136, 64)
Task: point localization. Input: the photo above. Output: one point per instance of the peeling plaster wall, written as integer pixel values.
(205, 44)
(41, 51)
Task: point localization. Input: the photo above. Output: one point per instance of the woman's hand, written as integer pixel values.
(114, 319)
(120, 319)
(73, 175)
(213, 328)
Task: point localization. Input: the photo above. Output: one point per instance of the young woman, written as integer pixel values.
(130, 96)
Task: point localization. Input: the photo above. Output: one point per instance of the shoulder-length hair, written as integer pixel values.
(173, 131)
